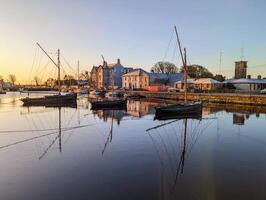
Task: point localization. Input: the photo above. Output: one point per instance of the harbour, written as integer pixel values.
(132, 100)
(146, 156)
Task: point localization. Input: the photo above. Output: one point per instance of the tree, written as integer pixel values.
(1, 81)
(12, 78)
(69, 80)
(36, 80)
(164, 68)
(84, 76)
(219, 77)
(197, 71)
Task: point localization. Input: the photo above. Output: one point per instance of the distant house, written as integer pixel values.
(247, 84)
(107, 75)
(202, 84)
(137, 78)
(140, 79)
(159, 79)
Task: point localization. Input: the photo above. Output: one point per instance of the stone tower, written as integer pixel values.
(241, 69)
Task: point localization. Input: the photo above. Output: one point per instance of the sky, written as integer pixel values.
(136, 31)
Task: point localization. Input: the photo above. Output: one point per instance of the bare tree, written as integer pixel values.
(36, 80)
(1, 81)
(12, 78)
(164, 68)
(198, 71)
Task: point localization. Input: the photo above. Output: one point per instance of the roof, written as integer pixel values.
(136, 72)
(168, 78)
(207, 81)
(202, 81)
(245, 81)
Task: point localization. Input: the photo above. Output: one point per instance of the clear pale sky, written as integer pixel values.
(136, 31)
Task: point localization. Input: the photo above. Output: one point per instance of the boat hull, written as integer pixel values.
(108, 104)
(55, 100)
(180, 110)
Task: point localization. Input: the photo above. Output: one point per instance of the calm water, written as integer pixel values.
(111, 155)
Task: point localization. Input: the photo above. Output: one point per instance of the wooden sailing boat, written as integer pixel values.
(181, 108)
(54, 100)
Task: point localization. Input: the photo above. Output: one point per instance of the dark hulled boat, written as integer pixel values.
(174, 112)
(106, 103)
(53, 100)
(186, 107)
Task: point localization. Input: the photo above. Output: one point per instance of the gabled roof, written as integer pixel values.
(137, 72)
(201, 81)
(207, 81)
(168, 78)
(245, 81)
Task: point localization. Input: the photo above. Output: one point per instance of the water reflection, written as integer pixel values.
(108, 154)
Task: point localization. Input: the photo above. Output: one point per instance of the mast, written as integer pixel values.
(78, 74)
(184, 61)
(58, 66)
(185, 80)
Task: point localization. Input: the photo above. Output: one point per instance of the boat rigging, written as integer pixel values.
(54, 100)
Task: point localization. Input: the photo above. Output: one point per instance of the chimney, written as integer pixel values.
(249, 77)
(259, 76)
(118, 61)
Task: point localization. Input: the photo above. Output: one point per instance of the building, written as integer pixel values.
(241, 69)
(159, 79)
(108, 75)
(140, 79)
(136, 79)
(247, 84)
(201, 84)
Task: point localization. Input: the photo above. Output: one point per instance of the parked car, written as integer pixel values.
(263, 91)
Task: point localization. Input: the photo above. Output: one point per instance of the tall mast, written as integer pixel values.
(184, 61)
(185, 68)
(78, 71)
(58, 66)
(78, 74)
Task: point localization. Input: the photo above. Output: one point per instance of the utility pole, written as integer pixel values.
(242, 54)
(78, 71)
(220, 62)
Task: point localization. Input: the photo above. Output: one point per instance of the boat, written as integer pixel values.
(52, 100)
(169, 113)
(186, 107)
(111, 104)
(135, 96)
(113, 94)
(97, 93)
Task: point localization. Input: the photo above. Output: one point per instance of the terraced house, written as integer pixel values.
(108, 75)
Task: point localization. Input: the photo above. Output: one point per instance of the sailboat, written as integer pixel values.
(53, 100)
(181, 108)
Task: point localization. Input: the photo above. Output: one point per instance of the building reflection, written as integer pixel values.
(117, 115)
(135, 108)
(140, 108)
(238, 119)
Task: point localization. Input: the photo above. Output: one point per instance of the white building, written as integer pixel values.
(247, 84)
(203, 84)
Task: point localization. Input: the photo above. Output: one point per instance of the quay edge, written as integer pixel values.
(224, 98)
